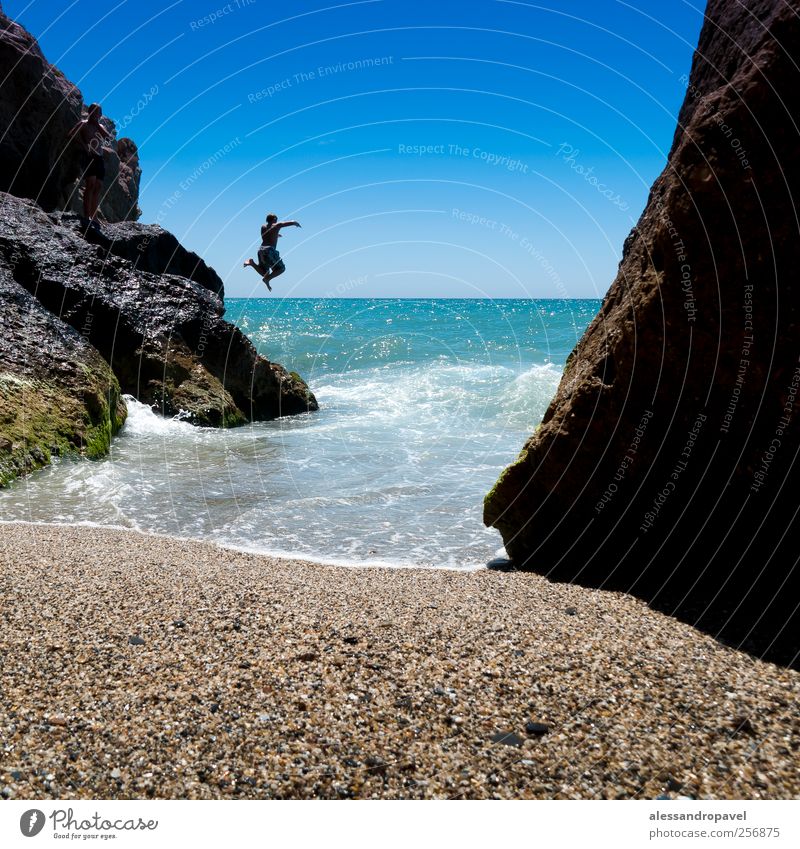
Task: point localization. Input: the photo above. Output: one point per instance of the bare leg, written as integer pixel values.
(93, 187)
(254, 265)
(272, 275)
(87, 197)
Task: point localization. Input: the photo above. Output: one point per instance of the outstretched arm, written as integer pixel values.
(288, 224)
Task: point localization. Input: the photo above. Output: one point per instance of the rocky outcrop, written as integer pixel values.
(162, 333)
(57, 394)
(38, 107)
(666, 465)
(149, 248)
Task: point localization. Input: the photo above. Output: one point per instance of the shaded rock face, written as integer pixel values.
(149, 248)
(38, 107)
(57, 394)
(666, 465)
(162, 334)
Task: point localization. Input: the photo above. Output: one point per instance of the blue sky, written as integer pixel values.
(449, 149)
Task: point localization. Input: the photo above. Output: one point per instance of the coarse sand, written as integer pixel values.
(138, 666)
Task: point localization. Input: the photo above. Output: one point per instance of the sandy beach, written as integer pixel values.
(137, 666)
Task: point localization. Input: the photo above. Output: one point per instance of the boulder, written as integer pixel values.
(666, 465)
(148, 247)
(58, 396)
(162, 334)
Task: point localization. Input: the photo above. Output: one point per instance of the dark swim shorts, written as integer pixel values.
(93, 166)
(270, 259)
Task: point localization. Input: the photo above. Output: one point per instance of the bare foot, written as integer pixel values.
(266, 280)
(248, 262)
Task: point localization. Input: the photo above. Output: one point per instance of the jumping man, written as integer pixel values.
(92, 134)
(270, 265)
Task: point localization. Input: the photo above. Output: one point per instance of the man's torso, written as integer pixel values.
(92, 138)
(269, 236)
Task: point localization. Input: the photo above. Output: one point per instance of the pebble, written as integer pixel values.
(536, 729)
(307, 656)
(136, 641)
(507, 738)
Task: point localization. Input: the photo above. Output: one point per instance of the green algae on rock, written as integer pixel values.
(58, 396)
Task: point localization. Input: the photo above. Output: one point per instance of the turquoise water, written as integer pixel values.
(422, 405)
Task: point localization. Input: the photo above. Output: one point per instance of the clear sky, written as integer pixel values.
(481, 148)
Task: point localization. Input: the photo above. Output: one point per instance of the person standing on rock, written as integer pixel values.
(270, 265)
(92, 135)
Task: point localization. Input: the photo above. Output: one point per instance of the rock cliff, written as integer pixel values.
(666, 465)
(38, 107)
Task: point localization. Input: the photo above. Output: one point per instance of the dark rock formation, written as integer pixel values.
(38, 107)
(666, 465)
(162, 334)
(57, 394)
(149, 248)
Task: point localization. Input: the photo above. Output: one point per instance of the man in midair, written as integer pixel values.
(270, 265)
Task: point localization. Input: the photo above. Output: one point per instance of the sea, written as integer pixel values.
(422, 405)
